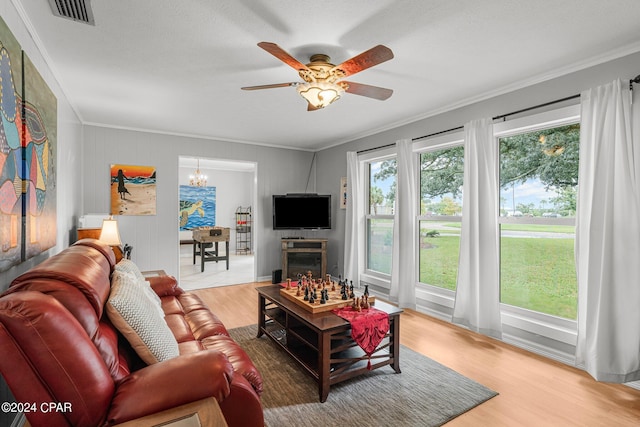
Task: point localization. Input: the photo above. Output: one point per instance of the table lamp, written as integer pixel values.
(111, 236)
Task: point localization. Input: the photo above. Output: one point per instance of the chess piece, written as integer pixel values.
(306, 293)
(366, 290)
(365, 302)
(288, 284)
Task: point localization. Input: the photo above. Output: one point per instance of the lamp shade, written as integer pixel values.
(110, 234)
(320, 94)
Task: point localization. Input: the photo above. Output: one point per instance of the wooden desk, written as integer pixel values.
(206, 238)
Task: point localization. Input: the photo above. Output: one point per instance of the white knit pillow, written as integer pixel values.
(128, 266)
(134, 314)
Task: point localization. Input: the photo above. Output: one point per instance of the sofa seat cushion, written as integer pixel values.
(135, 315)
(198, 321)
(188, 347)
(241, 362)
(179, 327)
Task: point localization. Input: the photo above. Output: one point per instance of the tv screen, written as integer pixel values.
(301, 211)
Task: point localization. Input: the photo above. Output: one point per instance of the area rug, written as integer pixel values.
(425, 394)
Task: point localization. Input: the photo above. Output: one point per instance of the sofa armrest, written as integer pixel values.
(165, 285)
(174, 382)
(205, 412)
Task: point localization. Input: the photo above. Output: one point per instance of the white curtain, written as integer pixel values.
(354, 222)
(477, 304)
(403, 260)
(607, 245)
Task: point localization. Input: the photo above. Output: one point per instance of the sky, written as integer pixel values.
(531, 191)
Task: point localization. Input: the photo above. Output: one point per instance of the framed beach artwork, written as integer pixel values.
(133, 190)
(197, 207)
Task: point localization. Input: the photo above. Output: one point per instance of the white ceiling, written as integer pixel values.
(177, 66)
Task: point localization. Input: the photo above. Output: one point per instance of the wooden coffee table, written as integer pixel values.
(321, 342)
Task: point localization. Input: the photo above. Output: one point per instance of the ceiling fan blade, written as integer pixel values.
(374, 56)
(283, 56)
(368, 91)
(271, 86)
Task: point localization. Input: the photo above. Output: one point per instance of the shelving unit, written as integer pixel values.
(243, 230)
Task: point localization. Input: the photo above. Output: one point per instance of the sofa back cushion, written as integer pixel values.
(79, 278)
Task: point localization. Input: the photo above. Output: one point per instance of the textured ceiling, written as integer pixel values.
(177, 66)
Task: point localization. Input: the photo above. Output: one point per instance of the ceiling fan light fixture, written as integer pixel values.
(320, 94)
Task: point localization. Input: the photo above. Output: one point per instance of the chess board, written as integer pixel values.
(335, 299)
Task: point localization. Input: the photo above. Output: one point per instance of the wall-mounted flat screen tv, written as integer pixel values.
(301, 211)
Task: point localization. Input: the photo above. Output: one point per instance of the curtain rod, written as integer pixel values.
(504, 116)
(501, 116)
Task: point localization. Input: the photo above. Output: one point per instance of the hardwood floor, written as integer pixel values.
(534, 391)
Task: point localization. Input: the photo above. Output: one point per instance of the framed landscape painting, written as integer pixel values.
(133, 190)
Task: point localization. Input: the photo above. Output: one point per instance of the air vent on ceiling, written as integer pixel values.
(78, 10)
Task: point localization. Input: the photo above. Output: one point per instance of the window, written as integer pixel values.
(538, 186)
(379, 221)
(441, 173)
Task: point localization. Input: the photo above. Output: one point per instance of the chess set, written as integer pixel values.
(317, 296)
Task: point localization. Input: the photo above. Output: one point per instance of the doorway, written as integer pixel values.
(229, 193)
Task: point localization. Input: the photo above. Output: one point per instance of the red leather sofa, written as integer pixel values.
(58, 345)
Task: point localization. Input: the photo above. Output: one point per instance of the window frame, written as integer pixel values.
(374, 277)
(432, 293)
(534, 323)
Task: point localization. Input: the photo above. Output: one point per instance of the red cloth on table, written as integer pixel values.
(368, 327)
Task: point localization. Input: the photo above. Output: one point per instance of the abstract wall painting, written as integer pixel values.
(197, 207)
(28, 139)
(133, 190)
(39, 176)
(10, 149)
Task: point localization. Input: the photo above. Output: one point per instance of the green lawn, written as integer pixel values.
(536, 273)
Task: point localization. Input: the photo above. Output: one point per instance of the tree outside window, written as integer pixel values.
(382, 197)
(538, 187)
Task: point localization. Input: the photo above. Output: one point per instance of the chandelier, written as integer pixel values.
(198, 180)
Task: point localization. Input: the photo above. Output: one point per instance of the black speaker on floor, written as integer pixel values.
(276, 276)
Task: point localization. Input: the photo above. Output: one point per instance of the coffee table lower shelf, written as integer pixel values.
(321, 343)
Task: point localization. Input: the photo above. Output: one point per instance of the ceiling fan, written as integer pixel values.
(323, 82)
